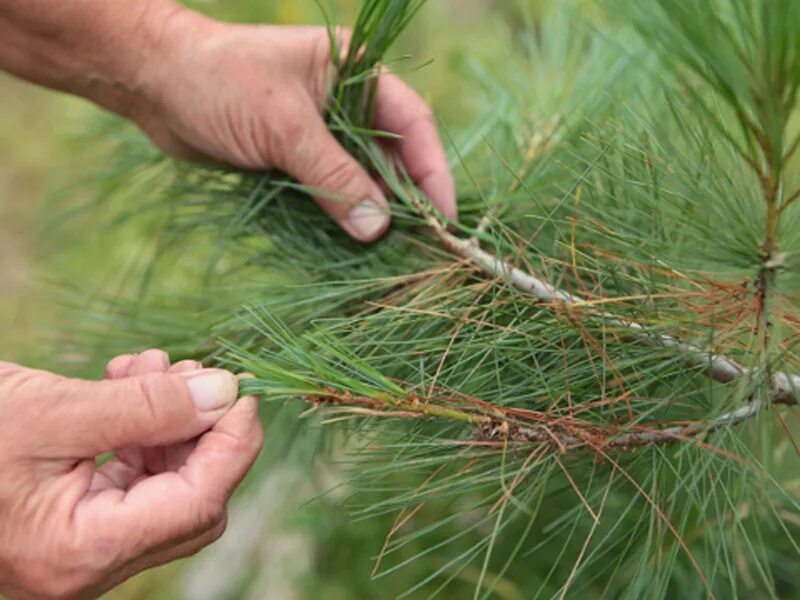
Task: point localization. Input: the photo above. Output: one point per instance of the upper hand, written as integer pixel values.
(253, 96)
(69, 529)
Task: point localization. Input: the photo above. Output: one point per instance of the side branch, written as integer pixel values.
(496, 426)
(785, 388)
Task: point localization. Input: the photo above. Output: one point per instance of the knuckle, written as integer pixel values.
(283, 145)
(219, 529)
(213, 534)
(319, 49)
(144, 406)
(338, 176)
(68, 548)
(210, 512)
(147, 389)
(290, 126)
(106, 550)
(249, 442)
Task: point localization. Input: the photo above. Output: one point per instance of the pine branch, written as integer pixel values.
(494, 424)
(466, 391)
(785, 388)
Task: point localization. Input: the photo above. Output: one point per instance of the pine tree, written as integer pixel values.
(583, 388)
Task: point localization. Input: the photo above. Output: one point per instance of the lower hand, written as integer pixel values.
(69, 529)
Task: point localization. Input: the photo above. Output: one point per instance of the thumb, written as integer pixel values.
(87, 418)
(343, 187)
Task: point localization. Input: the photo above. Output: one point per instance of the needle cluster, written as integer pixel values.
(583, 383)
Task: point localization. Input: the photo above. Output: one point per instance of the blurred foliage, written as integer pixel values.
(32, 134)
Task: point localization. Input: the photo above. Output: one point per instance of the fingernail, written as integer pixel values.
(366, 220)
(213, 390)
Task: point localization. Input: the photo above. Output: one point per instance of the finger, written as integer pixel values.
(87, 418)
(118, 367)
(342, 187)
(186, 365)
(149, 361)
(158, 510)
(400, 110)
(225, 454)
(129, 463)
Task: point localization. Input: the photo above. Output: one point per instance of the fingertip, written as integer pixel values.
(342, 187)
(402, 111)
(369, 220)
(226, 453)
(441, 190)
(185, 366)
(212, 390)
(249, 405)
(118, 367)
(242, 416)
(149, 361)
(243, 422)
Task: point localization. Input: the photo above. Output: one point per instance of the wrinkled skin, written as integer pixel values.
(71, 530)
(276, 121)
(243, 95)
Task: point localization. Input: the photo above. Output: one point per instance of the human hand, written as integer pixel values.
(249, 96)
(253, 96)
(183, 443)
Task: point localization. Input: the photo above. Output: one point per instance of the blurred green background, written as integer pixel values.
(53, 150)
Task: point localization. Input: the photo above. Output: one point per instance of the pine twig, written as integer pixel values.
(785, 388)
(485, 223)
(496, 426)
(542, 140)
(791, 200)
